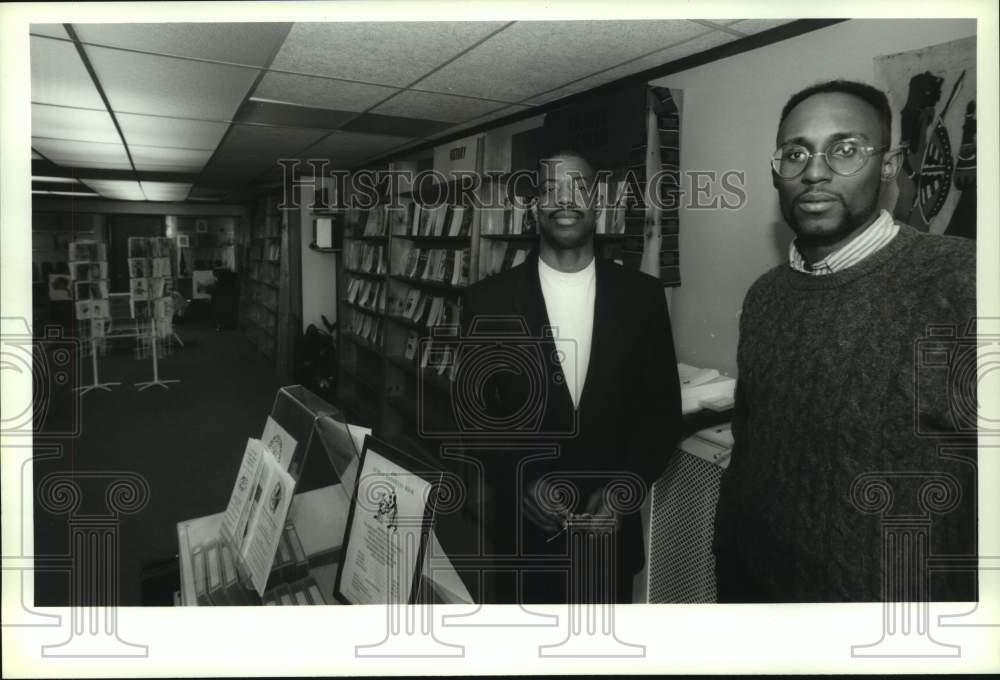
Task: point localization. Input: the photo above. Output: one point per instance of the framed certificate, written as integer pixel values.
(388, 526)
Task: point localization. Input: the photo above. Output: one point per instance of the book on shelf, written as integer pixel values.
(420, 312)
(435, 311)
(455, 222)
(421, 268)
(460, 273)
(441, 216)
(396, 302)
(412, 298)
(412, 340)
(414, 219)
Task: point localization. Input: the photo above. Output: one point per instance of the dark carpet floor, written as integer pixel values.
(186, 442)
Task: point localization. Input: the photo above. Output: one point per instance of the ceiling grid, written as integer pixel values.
(205, 110)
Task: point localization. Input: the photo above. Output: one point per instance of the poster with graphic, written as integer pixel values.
(255, 517)
(932, 93)
(279, 442)
(386, 533)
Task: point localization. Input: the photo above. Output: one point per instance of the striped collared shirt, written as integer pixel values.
(872, 239)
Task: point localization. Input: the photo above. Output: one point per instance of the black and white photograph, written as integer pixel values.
(667, 336)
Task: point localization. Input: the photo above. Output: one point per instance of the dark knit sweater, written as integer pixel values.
(827, 391)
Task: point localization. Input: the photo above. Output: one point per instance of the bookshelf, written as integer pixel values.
(262, 277)
(362, 287)
(404, 271)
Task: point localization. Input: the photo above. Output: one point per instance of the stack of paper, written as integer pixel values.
(704, 388)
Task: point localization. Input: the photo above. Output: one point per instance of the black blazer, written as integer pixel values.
(628, 421)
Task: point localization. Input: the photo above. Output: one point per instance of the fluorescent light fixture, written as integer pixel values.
(64, 193)
(166, 191)
(55, 180)
(122, 190)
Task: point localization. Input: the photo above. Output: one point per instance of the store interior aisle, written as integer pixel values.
(185, 442)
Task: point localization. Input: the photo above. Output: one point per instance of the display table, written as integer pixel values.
(319, 517)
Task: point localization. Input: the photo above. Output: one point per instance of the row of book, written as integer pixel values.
(368, 294)
(378, 221)
(426, 310)
(438, 220)
(502, 256)
(513, 220)
(367, 327)
(265, 272)
(264, 295)
(268, 251)
(436, 264)
(436, 356)
(365, 257)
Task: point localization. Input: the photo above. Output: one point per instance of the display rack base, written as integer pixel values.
(97, 384)
(155, 383)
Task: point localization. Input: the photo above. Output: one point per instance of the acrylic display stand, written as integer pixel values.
(97, 384)
(156, 366)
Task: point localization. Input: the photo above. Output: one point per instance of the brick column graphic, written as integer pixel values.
(94, 560)
(906, 557)
(409, 628)
(593, 550)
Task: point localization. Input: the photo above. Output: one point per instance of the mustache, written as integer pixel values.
(812, 195)
(559, 212)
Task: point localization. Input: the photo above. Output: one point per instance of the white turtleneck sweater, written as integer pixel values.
(569, 301)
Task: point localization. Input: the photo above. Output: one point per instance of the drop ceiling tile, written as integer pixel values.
(392, 126)
(82, 154)
(320, 92)
(177, 132)
(145, 157)
(481, 120)
(85, 125)
(346, 149)
(268, 142)
(440, 107)
(58, 76)
(751, 26)
(704, 42)
(142, 83)
(50, 30)
(536, 56)
(235, 42)
(384, 53)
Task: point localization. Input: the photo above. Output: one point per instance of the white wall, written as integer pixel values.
(729, 121)
(319, 273)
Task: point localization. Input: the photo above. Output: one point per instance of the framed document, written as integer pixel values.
(388, 526)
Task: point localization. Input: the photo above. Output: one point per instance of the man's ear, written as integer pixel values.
(774, 179)
(891, 163)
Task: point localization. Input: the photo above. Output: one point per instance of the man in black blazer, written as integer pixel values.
(570, 379)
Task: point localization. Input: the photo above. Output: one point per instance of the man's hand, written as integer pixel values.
(540, 514)
(597, 506)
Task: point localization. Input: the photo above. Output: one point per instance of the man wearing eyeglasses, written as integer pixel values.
(838, 425)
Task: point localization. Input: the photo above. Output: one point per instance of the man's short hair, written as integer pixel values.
(872, 96)
(564, 152)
